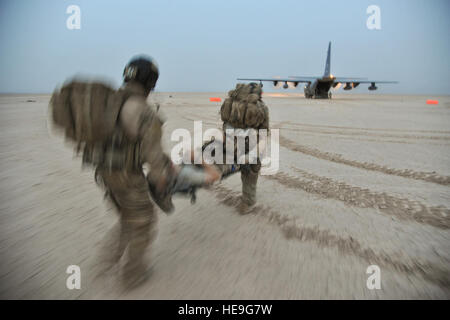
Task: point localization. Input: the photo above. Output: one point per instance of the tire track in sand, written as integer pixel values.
(354, 137)
(366, 130)
(337, 158)
(344, 244)
(400, 208)
(369, 134)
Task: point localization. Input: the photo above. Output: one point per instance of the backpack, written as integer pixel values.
(87, 111)
(244, 108)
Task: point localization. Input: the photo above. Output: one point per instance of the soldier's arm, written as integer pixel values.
(141, 122)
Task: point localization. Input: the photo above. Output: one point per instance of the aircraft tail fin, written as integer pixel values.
(327, 64)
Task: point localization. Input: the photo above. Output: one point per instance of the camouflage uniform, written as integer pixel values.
(139, 129)
(118, 132)
(245, 109)
(249, 178)
(128, 191)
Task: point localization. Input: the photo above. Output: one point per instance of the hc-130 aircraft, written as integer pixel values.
(319, 87)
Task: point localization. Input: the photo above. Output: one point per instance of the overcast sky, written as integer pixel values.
(206, 45)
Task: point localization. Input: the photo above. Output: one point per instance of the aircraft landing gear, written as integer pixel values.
(329, 95)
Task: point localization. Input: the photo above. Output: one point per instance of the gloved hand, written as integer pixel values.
(161, 186)
(162, 199)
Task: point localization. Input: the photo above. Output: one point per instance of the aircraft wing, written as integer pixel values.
(276, 80)
(360, 80)
(304, 78)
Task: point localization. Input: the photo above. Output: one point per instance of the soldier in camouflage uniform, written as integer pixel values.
(129, 189)
(119, 154)
(244, 109)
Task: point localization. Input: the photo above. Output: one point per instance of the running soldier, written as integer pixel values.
(118, 132)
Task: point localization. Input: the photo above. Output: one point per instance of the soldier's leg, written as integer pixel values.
(249, 178)
(113, 246)
(116, 239)
(138, 217)
(144, 232)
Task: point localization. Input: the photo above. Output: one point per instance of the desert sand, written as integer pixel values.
(363, 180)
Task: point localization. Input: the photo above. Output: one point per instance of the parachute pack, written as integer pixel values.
(86, 111)
(244, 108)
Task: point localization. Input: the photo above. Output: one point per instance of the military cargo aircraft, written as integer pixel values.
(319, 87)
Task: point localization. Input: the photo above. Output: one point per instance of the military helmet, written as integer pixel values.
(142, 69)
